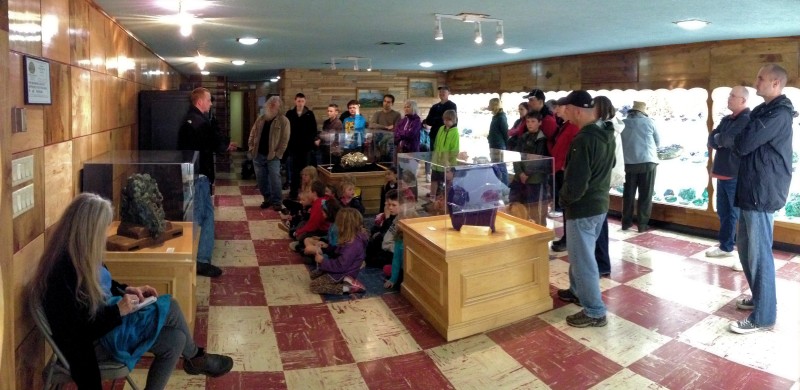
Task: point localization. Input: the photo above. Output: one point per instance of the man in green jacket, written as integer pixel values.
(584, 196)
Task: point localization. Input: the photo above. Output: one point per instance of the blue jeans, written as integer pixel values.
(268, 178)
(728, 213)
(584, 278)
(755, 252)
(204, 218)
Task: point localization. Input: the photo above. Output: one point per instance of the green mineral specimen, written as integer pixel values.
(142, 204)
(793, 205)
(687, 194)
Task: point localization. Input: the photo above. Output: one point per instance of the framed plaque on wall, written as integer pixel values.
(37, 81)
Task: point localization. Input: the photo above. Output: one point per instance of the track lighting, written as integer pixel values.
(478, 19)
(356, 65)
(500, 40)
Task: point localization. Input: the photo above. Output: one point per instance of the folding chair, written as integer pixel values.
(56, 372)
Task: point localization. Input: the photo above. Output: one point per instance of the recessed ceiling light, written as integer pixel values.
(512, 50)
(248, 41)
(185, 5)
(274, 79)
(238, 62)
(426, 64)
(692, 24)
(205, 73)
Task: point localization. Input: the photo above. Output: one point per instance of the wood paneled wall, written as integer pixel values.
(323, 87)
(705, 65)
(93, 110)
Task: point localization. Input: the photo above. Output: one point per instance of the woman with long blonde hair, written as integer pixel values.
(92, 316)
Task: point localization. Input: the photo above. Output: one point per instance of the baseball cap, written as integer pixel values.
(537, 93)
(443, 87)
(579, 98)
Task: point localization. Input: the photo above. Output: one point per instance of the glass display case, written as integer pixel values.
(719, 99)
(471, 190)
(174, 173)
(365, 156)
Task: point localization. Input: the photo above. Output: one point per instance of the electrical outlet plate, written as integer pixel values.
(22, 200)
(21, 170)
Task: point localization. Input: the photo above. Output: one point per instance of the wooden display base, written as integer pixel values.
(132, 237)
(370, 183)
(467, 284)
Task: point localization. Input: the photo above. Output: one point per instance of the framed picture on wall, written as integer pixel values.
(418, 88)
(369, 98)
(37, 81)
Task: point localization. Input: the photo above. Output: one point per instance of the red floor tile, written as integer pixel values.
(308, 336)
(666, 244)
(557, 359)
(624, 271)
(238, 286)
(781, 255)
(411, 371)
(679, 366)
(554, 294)
(227, 200)
(423, 333)
(201, 326)
(665, 317)
(275, 252)
(729, 311)
(248, 381)
(256, 213)
(789, 271)
(249, 190)
(231, 230)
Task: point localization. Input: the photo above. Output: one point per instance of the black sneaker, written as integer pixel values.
(208, 364)
(581, 320)
(209, 270)
(264, 205)
(566, 295)
(745, 304)
(746, 326)
(558, 246)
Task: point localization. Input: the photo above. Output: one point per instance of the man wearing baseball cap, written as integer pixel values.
(584, 196)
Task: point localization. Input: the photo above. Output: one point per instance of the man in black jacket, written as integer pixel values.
(198, 133)
(434, 119)
(765, 171)
(301, 141)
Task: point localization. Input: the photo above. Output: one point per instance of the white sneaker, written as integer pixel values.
(737, 266)
(716, 252)
(555, 214)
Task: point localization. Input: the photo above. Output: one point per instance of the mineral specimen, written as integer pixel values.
(141, 204)
(669, 152)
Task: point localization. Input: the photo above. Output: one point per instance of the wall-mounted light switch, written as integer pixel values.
(22, 200)
(21, 170)
(18, 124)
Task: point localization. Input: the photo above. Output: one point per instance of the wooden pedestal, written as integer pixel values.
(466, 284)
(169, 267)
(370, 183)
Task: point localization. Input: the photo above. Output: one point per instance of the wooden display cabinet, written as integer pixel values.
(371, 184)
(170, 268)
(466, 284)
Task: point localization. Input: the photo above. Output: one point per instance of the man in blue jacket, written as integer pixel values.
(725, 170)
(765, 171)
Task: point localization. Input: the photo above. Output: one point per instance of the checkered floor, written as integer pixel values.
(669, 307)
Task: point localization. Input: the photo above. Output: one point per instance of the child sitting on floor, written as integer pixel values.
(379, 250)
(391, 184)
(316, 225)
(311, 245)
(337, 273)
(293, 210)
(347, 194)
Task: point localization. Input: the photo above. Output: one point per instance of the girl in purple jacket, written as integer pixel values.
(338, 268)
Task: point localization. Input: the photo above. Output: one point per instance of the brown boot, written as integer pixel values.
(208, 364)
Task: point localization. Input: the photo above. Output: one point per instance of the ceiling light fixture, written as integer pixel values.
(692, 24)
(238, 62)
(186, 21)
(355, 60)
(274, 79)
(205, 73)
(500, 38)
(512, 50)
(426, 64)
(200, 60)
(465, 17)
(247, 41)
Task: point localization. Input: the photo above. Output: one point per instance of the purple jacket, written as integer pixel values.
(406, 133)
(348, 258)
